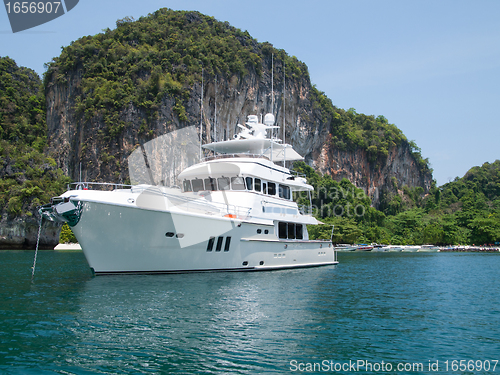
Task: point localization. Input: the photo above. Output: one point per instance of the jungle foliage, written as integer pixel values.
(160, 56)
(28, 177)
(67, 235)
(464, 211)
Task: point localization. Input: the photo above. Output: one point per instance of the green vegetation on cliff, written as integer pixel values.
(156, 57)
(28, 178)
(351, 130)
(22, 103)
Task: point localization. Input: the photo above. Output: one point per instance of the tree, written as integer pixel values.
(484, 230)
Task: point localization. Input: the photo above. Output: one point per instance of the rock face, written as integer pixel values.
(74, 140)
(20, 233)
(398, 168)
(27, 175)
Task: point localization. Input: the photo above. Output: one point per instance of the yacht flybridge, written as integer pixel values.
(232, 211)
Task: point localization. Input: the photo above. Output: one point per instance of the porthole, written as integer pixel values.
(179, 235)
(259, 231)
(169, 234)
(245, 263)
(266, 231)
(261, 262)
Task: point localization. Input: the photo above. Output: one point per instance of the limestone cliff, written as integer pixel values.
(20, 233)
(28, 177)
(397, 170)
(88, 138)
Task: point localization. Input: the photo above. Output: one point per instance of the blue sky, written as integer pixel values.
(430, 67)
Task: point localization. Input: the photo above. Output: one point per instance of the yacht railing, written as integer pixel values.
(96, 186)
(305, 210)
(297, 174)
(210, 208)
(181, 202)
(229, 156)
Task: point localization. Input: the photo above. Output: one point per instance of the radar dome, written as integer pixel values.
(269, 119)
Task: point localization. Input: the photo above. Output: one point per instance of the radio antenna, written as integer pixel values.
(201, 113)
(272, 84)
(215, 120)
(284, 111)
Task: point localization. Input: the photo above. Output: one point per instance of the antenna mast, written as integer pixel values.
(201, 113)
(272, 101)
(215, 121)
(272, 84)
(284, 111)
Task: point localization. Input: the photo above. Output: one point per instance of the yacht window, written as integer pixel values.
(210, 244)
(257, 185)
(210, 184)
(187, 185)
(237, 183)
(298, 232)
(249, 181)
(291, 231)
(219, 243)
(227, 244)
(271, 188)
(284, 191)
(197, 185)
(282, 232)
(223, 183)
(264, 188)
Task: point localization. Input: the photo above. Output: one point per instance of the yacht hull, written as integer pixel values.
(118, 239)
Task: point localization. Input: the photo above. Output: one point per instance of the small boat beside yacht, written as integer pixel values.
(429, 249)
(364, 247)
(345, 247)
(410, 248)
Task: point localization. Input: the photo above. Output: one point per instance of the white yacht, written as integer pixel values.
(232, 211)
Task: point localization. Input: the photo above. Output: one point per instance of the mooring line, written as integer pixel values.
(36, 249)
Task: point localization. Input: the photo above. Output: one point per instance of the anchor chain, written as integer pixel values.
(36, 249)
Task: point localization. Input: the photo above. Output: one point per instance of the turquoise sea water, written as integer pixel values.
(383, 309)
